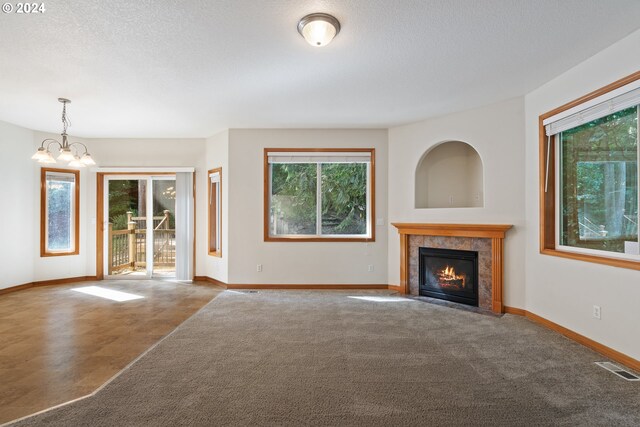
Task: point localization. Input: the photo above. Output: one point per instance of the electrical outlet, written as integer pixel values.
(259, 268)
(380, 221)
(370, 267)
(596, 311)
(450, 200)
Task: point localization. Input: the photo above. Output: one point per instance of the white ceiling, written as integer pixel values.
(191, 68)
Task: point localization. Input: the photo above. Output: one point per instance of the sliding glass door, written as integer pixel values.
(164, 227)
(140, 234)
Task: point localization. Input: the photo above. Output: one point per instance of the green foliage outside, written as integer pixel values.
(344, 198)
(343, 195)
(599, 199)
(59, 195)
(293, 189)
(125, 196)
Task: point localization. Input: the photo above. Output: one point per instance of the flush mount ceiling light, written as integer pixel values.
(318, 29)
(68, 152)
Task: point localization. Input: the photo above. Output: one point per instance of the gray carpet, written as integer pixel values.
(323, 358)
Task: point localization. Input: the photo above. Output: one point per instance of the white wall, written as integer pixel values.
(20, 225)
(18, 207)
(216, 156)
(143, 153)
(562, 290)
(298, 262)
(496, 132)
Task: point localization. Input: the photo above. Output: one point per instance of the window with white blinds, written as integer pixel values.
(591, 157)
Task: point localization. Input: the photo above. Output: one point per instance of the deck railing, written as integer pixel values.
(128, 248)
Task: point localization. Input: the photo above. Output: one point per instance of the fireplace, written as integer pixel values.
(485, 239)
(449, 274)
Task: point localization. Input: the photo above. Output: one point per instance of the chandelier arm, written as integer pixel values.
(51, 141)
(79, 143)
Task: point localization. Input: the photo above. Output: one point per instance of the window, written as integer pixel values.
(215, 212)
(589, 177)
(319, 194)
(60, 213)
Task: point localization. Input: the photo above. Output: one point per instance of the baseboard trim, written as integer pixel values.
(209, 280)
(51, 282)
(580, 339)
(514, 310)
(16, 288)
(396, 288)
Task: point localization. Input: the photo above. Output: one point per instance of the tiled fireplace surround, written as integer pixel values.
(486, 239)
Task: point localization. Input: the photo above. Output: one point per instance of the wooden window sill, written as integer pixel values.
(319, 239)
(614, 262)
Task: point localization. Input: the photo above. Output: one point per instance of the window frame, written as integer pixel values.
(371, 200)
(214, 205)
(548, 200)
(44, 251)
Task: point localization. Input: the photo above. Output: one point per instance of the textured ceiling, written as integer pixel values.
(191, 68)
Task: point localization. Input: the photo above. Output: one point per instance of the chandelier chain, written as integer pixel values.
(65, 121)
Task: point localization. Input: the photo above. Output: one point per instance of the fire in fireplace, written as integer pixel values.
(449, 274)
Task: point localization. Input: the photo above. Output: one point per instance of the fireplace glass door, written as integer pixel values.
(449, 274)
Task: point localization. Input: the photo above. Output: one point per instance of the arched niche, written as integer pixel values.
(450, 175)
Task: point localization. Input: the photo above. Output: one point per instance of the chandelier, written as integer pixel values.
(68, 152)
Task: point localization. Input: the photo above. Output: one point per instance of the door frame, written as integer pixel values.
(100, 226)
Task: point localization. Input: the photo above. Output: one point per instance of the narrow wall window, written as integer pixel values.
(591, 195)
(60, 212)
(215, 212)
(319, 195)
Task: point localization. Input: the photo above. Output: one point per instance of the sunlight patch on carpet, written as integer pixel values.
(382, 299)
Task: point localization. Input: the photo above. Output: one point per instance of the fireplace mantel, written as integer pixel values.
(459, 230)
(495, 232)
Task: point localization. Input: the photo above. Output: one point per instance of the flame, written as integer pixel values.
(449, 275)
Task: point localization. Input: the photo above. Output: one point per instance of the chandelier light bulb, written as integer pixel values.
(65, 155)
(41, 154)
(87, 159)
(47, 159)
(76, 163)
